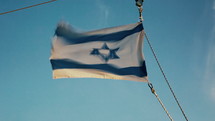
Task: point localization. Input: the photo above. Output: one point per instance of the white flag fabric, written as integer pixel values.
(110, 53)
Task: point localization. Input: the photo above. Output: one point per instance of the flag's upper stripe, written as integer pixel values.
(78, 38)
(69, 64)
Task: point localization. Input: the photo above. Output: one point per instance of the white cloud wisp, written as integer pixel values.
(104, 13)
(210, 60)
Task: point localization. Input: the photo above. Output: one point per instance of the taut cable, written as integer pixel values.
(27, 7)
(161, 69)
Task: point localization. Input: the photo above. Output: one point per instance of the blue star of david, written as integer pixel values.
(105, 53)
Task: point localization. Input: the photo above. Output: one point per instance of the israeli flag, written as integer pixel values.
(110, 53)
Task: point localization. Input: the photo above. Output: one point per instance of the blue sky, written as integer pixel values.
(182, 33)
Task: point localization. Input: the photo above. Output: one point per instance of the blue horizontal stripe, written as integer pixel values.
(69, 64)
(73, 37)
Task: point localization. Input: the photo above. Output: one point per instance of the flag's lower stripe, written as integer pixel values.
(92, 73)
(69, 64)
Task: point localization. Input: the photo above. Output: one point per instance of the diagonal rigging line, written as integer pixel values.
(161, 69)
(28, 7)
(159, 100)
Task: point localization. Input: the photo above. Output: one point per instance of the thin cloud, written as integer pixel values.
(213, 93)
(214, 5)
(210, 69)
(210, 60)
(204, 62)
(104, 13)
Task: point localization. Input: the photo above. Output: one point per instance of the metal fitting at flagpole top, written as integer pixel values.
(139, 4)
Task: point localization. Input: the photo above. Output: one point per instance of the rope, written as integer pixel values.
(161, 69)
(156, 95)
(27, 7)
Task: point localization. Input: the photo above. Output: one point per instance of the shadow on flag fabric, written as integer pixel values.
(110, 53)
